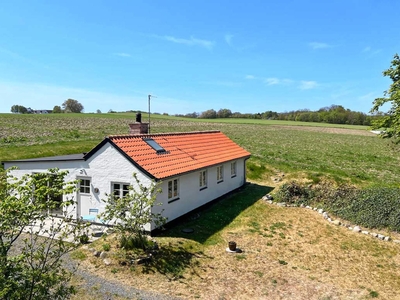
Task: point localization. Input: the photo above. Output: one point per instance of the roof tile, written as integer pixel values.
(185, 152)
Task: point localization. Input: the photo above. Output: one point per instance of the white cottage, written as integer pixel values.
(193, 168)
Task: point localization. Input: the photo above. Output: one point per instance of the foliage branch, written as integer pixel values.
(390, 121)
(30, 264)
(131, 212)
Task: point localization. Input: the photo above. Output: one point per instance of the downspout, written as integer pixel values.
(244, 170)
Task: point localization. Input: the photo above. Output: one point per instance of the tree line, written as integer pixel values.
(68, 106)
(335, 114)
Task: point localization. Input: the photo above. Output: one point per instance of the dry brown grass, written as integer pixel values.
(288, 253)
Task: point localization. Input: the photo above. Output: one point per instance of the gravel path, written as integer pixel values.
(101, 288)
(108, 289)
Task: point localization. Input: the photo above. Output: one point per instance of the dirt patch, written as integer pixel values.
(329, 130)
(288, 253)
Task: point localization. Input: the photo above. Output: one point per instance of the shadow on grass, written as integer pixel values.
(172, 261)
(212, 218)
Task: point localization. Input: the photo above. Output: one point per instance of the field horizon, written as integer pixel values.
(343, 153)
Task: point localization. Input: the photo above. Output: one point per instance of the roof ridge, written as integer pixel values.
(162, 134)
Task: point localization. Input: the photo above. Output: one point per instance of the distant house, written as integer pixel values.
(192, 168)
(42, 111)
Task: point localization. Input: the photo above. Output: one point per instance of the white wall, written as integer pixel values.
(190, 195)
(73, 168)
(108, 165)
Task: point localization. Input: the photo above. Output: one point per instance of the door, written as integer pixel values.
(84, 197)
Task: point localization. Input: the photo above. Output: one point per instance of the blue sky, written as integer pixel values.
(247, 56)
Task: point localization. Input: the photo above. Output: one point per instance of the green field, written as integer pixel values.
(287, 251)
(297, 149)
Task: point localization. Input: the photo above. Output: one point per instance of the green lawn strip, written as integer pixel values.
(44, 150)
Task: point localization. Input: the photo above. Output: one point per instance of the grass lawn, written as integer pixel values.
(288, 253)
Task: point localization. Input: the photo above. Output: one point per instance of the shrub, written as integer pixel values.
(294, 193)
(377, 207)
(84, 239)
(374, 208)
(106, 247)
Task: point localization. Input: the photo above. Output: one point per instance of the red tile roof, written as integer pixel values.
(185, 152)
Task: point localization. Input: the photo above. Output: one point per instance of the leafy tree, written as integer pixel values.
(391, 120)
(98, 111)
(192, 115)
(208, 114)
(72, 106)
(133, 211)
(57, 109)
(19, 109)
(30, 265)
(224, 113)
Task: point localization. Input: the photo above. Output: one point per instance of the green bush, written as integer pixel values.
(84, 239)
(373, 208)
(106, 247)
(133, 242)
(377, 207)
(294, 193)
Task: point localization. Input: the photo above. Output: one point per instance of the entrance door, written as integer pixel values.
(84, 197)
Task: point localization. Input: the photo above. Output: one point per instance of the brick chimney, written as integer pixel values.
(138, 127)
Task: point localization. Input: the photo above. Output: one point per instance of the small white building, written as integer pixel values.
(192, 168)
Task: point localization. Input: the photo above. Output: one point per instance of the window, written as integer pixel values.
(203, 179)
(54, 197)
(233, 169)
(84, 186)
(173, 189)
(220, 173)
(120, 189)
(153, 144)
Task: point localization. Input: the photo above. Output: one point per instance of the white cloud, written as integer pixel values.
(317, 45)
(370, 51)
(272, 81)
(122, 54)
(250, 77)
(307, 85)
(189, 42)
(276, 81)
(228, 39)
(370, 97)
(366, 49)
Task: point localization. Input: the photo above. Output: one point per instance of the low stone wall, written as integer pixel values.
(355, 228)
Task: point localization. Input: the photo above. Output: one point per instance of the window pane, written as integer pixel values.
(169, 189)
(125, 190)
(84, 186)
(175, 187)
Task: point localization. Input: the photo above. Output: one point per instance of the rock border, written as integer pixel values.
(269, 199)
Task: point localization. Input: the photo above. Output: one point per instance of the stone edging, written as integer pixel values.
(268, 198)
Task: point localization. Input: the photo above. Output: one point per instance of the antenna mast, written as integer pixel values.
(149, 109)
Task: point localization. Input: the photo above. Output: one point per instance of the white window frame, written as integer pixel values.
(86, 188)
(173, 190)
(203, 179)
(233, 169)
(220, 173)
(123, 189)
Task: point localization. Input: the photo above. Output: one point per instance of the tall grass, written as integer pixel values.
(302, 151)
